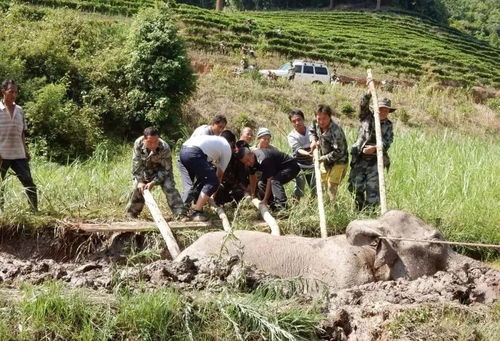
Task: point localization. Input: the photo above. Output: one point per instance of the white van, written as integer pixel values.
(307, 71)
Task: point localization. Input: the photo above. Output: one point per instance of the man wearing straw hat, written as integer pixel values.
(363, 178)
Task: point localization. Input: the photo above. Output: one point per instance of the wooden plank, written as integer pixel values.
(138, 226)
(226, 225)
(319, 191)
(162, 224)
(268, 218)
(380, 151)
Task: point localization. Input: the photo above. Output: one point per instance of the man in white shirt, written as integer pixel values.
(299, 141)
(216, 126)
(13, 150)
(206, 158)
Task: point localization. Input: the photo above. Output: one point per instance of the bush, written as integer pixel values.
(60, 124)
(347, 109)
(159, 75)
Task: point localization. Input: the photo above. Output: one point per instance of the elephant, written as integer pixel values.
(360, 256)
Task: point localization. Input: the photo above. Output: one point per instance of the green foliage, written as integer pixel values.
(494, 104)
(355, 38)
(478, 18)
(59, 123)
(347, 109)
(446, 322)
(159, 73)
(82, 82)
(53, 311)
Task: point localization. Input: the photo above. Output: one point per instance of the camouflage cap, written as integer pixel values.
(385, 103)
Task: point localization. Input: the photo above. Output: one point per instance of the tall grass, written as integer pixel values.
(53, 312)
(448, 179)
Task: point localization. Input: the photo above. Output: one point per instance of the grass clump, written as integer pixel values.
(54, 312)
(447, 322)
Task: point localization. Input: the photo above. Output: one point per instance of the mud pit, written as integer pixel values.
(98, 262)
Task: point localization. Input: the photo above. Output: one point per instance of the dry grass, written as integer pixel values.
(425, 105)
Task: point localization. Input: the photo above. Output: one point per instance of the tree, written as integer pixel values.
(159, 74)
(219, 5)
(378, 4)
(332, 4)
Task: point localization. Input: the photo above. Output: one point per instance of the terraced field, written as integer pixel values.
(396, 43)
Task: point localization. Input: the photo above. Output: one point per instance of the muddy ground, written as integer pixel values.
(101, 263)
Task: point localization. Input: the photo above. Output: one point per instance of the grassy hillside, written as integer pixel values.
(399, 44)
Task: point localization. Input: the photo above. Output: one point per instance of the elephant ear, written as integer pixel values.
(363, 232)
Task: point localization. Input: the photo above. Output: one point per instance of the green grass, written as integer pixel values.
(52, 311)
(397, 43)
(400, 44)
(448, 179)
(447, 322)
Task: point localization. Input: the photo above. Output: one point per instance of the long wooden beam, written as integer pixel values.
(319, 192)
(162, 224)
(380, 150)
(268, 218)
(226, 225)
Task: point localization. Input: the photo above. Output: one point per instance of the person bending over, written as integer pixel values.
(277, 169)
(152, 166)
(205, 159)
(215, 128)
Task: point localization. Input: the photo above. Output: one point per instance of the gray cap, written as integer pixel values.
(263, 132)
(385, 103)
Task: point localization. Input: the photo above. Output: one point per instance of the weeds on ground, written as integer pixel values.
(52, 311)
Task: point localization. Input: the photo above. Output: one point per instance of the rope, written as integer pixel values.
(442, 242)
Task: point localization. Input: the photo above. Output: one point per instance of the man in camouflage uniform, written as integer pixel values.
(363, 178)
(330, 138)
(151, 166)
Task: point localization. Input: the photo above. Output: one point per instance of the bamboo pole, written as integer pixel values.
(226, 225)
(162, 224)
(380, 150)
(319, 191)
(266, 215)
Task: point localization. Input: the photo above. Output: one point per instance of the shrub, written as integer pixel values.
(347, 109)
(159, 75)
(57, 122)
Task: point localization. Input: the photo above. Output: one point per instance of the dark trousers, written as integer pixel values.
(198, 167)
(21, 168)
(278, 199)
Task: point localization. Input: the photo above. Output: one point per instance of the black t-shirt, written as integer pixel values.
(271, 161)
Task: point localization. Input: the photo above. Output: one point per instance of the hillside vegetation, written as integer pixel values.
(400, 44)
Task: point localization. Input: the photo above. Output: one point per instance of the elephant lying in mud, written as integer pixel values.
(356, 258)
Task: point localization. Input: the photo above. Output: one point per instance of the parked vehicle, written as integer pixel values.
(306, 71)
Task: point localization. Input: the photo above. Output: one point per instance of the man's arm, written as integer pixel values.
(364, 106)
(267, 194)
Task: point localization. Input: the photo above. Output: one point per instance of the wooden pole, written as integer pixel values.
(319, 191)
(226, 225)
(162, 224)
(266, 215)
(380, 150)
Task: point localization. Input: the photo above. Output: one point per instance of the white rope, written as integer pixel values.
(495, 246)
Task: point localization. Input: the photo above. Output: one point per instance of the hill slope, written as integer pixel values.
(399, 44)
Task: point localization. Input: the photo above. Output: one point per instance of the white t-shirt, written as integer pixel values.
(299, 141)
(216, 148)
(202, 130)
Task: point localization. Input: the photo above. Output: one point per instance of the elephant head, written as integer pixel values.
(394, 259)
